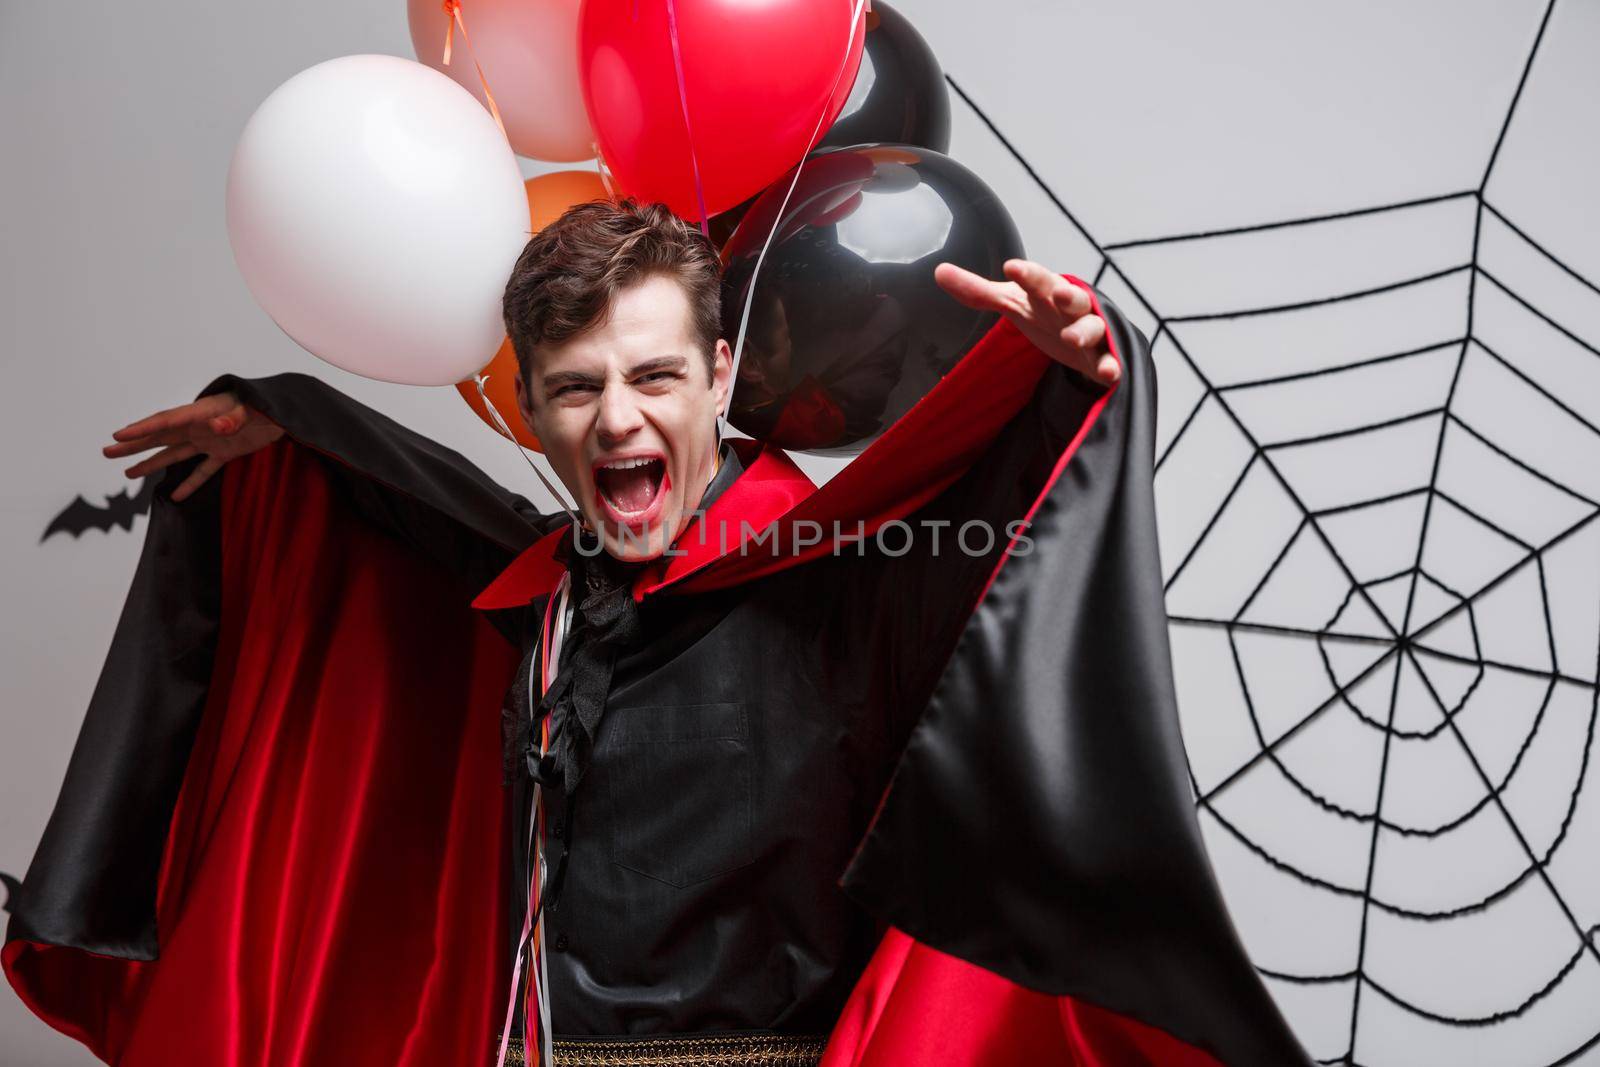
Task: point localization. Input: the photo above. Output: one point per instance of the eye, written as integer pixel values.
(571, 387)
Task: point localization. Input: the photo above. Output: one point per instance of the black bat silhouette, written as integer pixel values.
(120, 509)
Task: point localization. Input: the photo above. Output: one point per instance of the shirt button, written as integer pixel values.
(558, 830)
(561, 943)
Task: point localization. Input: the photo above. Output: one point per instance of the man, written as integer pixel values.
(711, 703)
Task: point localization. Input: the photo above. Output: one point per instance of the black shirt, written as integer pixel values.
(745, 743)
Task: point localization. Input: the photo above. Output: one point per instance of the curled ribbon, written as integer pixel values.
(683, 103)
(601, 168)
(481, 379)
(452, 11)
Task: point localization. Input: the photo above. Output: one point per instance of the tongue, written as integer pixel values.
(633, 489)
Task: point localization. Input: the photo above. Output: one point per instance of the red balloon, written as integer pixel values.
(763, 82)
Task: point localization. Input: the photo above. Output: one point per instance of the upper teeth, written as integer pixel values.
(625, 464)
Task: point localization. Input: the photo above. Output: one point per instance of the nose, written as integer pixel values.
(619, 416)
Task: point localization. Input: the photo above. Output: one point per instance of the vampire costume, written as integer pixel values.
(820, 786)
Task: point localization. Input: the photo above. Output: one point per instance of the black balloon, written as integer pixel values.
(847, 327)
(899, 93)
(722, 224)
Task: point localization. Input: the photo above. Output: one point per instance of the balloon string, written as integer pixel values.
(516, 983)
(600, 167)
(683, 102)
(750, 291)
(500, 424)
(452, 10)
(552, 658)
(551, 636)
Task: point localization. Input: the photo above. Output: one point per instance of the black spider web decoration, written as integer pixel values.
(1409, 637)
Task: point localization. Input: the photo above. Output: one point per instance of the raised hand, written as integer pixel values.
(216, 426)
(1049, 310)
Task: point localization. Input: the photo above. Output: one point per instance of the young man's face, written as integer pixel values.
(627, 413)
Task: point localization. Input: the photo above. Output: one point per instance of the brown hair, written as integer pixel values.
(565, 278)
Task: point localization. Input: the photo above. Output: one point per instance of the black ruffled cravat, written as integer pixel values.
(605, 623)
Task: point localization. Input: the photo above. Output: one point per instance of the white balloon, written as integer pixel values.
(375, 211)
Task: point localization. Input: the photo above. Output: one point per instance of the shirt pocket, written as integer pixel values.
(681, 791)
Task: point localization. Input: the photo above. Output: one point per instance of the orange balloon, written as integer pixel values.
(502, 389)
(549, 195)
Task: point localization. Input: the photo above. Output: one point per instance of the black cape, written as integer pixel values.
(1036, 823)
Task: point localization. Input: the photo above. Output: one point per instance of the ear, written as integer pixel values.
(524, 402)
(722, 375)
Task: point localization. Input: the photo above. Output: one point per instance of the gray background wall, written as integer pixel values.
(119, 296)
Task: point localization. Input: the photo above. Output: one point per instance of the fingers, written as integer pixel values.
(161, 460)
(976, 291)
(1034, 281)
(208, 466)
(1109, 370)
(1072, 300)
(144, 444)
(968, 288)
(229, 421)
(221, 415)
(1048, 289)
(179, 417)
(1040, 301)
(1086, 338)
(1030, 275)
(1086, 333)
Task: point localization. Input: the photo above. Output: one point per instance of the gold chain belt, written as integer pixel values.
(728, 1050)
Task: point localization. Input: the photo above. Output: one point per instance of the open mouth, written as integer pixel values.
(630, 489)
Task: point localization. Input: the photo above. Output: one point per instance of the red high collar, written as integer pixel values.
(914, 460)
(768, 487)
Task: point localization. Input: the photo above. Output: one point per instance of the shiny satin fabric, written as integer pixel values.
(699, 854)
(910, 611)
(916, 1005)
(1049, 759)
(747, 738)
(329, 890)
(314, 939)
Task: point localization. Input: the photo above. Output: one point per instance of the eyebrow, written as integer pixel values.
(660, 363)
(557, 379)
